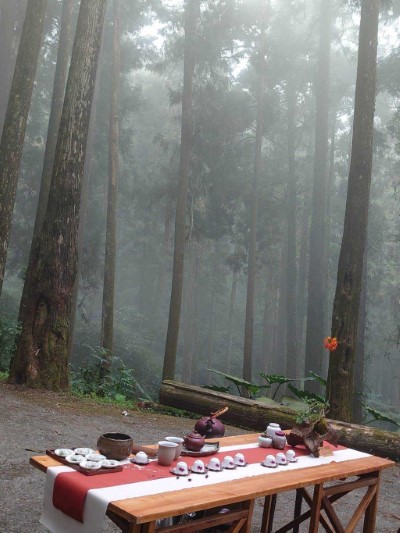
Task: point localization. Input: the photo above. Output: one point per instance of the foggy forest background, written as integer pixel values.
(220, 189)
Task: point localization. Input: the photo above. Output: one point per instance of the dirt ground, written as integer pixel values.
(31, 421)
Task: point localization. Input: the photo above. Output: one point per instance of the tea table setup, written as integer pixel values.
(214, 483)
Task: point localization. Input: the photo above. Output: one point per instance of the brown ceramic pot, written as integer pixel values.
(194, 441)
(115, 445)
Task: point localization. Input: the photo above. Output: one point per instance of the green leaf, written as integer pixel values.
(380, 416)
(275, 378)
(306, 395)
(318, 378)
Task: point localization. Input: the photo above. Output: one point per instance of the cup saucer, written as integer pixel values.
(178, 472)
(268, 466)
(241, 464)
(140, 463)
(214, 469)
(229, 467)
(194, 471)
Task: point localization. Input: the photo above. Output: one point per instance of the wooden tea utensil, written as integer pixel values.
(151, 452)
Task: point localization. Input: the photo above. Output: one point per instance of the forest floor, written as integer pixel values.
(31, 421)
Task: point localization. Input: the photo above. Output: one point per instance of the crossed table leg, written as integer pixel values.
(322, 499)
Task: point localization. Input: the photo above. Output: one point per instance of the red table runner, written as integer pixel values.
(70, 488)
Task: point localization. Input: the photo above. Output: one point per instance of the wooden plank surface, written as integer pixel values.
(148, 508)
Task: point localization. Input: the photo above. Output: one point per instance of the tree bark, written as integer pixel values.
(359, 377)
(232, 304)
(316, 271)
(107, 317)
(253, 414)
(191, 14)
(251, 267)
(348, 288)
(41, 358)
(60, 79)
(12, 139)
(291, 330)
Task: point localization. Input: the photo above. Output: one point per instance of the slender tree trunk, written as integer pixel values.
(348, 289)
(279, 361)
(291, 330)
(8, 14)
(60, 79)
(191, 14)
(107, 317)
(359, 376)
(188, 327)
(316, 271)
(302, 279)
(251, 268)
(41, 359)
(232, 303)
(12, 139)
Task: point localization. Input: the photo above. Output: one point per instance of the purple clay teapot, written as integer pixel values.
(210, 426)
(194, 441)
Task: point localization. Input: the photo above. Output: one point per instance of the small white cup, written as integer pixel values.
(198, 466)
(214, 464)
(291, 456)
(281, 458)
(141, 457)
(181, 468)
(270, 461)
(166, 452)
(239, 459)
(179, 442)
(228, 462)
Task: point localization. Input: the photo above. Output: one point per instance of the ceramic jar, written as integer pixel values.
(279, 440)
(272, 428)
(264, 441)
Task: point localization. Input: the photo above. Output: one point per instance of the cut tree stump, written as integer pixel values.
(253, 414)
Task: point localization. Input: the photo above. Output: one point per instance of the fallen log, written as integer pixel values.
(253, 414)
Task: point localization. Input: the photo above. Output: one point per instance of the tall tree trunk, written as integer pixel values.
(41, 358)
(251, 267)
(188, 324)
(12, 139)
(316, 271)
(107, 317)
(191, 14)
(8, 14)
(279, 360)
(60, 79)
(302, 278)
(232, 303)
(348, 288)
(291, 330)
(359, 376)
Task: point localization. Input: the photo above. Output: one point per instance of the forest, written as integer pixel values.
(203, 191)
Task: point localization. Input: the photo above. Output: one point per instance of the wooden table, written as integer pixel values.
(139, 515)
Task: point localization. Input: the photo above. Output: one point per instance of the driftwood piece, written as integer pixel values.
(252, 414)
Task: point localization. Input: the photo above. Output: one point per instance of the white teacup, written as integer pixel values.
(270, 461)
(179, 442)
(291, 456)
(239, 459)
(166, 452)
(198, 466)
(181, 468)
(214, 464)
(281, 458)
(141, 457)
(228, 462)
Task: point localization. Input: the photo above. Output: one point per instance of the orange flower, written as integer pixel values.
(330, 343)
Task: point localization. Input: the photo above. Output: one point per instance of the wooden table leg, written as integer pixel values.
(316, 508)
(268, 513)
(370, 512)
(297, 508)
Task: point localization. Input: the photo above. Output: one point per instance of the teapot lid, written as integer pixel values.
(195, 435)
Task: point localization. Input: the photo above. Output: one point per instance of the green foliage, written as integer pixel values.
(3, 376)
(241, 384)
(378, 416)
(120, 385)
(9, 331)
